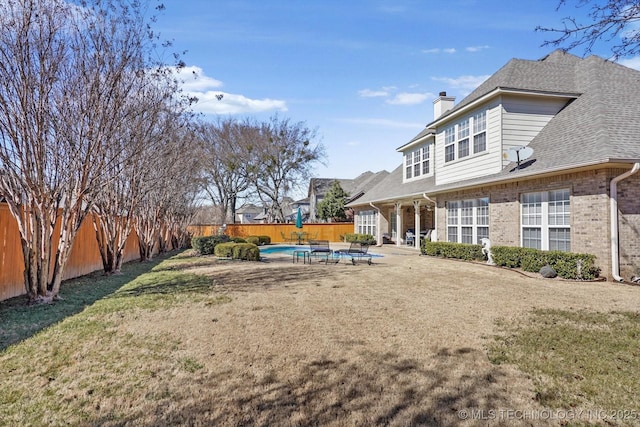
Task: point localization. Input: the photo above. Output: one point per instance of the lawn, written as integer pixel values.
(407, 341)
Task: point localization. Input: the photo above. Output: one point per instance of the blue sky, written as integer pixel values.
(364, 73)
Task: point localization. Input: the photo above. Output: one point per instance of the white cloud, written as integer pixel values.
(439, 50)
(230, 103)
(406, 98)
(368, 93)
(194, 79)
(463, 82)
(195, 83)
(476, 48)
(631, 62)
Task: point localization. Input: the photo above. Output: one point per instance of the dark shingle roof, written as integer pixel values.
(601, 125)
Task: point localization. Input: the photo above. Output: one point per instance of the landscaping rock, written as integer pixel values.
(548, 272)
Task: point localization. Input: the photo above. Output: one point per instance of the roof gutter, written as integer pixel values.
(615, 250)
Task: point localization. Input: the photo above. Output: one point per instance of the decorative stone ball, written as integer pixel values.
(548, 272)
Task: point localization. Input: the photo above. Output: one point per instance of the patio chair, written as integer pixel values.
(320, 249)
(410, 238)
(357, 250)
(285, 238)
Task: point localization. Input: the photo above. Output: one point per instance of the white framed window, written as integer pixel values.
(467, 137)
(417, 162)
(450, 144)
(467, 220)
(480, 132)
(463, 138)
(546, 220)
(426, 157)
(452, 221)
(367, 222)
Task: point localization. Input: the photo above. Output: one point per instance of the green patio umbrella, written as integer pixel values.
(299, 219)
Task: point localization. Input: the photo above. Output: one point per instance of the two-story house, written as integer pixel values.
(574, 188)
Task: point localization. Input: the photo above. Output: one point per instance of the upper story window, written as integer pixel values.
(459, 142)
(417, 162)
(480, 132)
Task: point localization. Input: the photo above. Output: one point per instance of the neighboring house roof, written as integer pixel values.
(249, 208)
(601, 125)
(353, 187)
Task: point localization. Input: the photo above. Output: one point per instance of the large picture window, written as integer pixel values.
(546, 220)
(467, 220)
(367, 222)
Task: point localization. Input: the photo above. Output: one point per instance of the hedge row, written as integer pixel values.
(463, 251)
(244, 251)
(567, 264)
(360, 238)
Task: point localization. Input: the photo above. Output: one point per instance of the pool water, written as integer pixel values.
(281, 249)
(288, 250)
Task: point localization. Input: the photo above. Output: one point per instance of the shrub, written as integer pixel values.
(238, 240)
(265, 240)
(253, 239)
(453, 250)
(244, 251)
(205, 245)
(360, 238)
(568, 265)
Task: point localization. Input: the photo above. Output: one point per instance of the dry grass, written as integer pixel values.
(400, 342)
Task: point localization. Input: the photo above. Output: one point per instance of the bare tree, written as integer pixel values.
(62, 87)
(611, 21)
(136, 148)
(227, 161)
(285, 156)
(172, 187)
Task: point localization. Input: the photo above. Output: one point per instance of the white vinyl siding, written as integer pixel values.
(477, 163)
(523, 118)
(546, 220)
(467, 220)
(511, 121)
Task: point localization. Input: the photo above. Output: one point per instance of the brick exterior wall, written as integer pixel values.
(629, 226)
(590, 215)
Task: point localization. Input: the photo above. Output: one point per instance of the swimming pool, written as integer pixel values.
(288, 250)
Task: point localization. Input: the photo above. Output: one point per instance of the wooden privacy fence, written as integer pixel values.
(325, 231)
(84, 258)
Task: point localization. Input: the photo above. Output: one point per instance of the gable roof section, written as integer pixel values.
(601, 125)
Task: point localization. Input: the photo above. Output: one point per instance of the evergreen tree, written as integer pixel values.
(332, 206)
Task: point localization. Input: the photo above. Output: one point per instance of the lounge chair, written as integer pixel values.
(356, 250)
(320, 249)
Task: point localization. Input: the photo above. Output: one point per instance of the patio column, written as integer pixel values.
(399, 236)
(416, 210)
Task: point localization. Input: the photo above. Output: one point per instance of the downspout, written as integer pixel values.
(379, 241)
(615, 255)
(434, 233)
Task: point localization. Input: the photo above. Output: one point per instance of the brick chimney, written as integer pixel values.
(442, 104)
